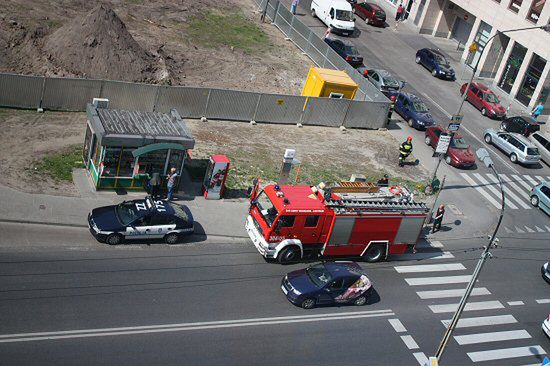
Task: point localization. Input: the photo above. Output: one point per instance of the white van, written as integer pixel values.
(336, 14)
(542, 142)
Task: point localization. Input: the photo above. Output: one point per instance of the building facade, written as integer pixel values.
(518, 63)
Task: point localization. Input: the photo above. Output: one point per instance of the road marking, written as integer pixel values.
(430, 268)
(507, 230)
(511, 183)
(441, 294)
(492, 337)
(547, 228)
(422, 255)
(522, 182)
(481, 191)
(539, 229)
(481, 321)
(85, 333)
(515, 303)
(493, 189)
(529, 230)
(409, 342)
(437, 280)
(420, 357)
(528, 177)
(436, 244)
(472, 306)
(540, 179)
(519, 230)
(543, 301)
(397, 325)
(509, 192)
(499, 354)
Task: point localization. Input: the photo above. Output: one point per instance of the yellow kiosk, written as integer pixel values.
(329, 83)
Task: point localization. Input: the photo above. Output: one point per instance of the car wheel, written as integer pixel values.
(483, 112)
(308, 304)
(428, 140)
(448, 160)
(374, 254)
(504, 126)
(417, 59)
(514, 158)
(534, 200)
(434, 72)
(411, 122)
(367, 20)
(360, 301)
(488, 138)
(114, 239)
(171, 238)
(313, 13)
(288, 255)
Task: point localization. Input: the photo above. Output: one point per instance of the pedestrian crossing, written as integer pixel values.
(517, 188)
(485, 331)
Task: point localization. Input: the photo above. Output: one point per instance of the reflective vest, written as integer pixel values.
(406, 148)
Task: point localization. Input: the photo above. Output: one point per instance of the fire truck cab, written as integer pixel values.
(287, 223)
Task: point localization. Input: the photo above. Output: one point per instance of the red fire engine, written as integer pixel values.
(287, 223)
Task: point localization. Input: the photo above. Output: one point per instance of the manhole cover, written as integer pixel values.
(42, 207)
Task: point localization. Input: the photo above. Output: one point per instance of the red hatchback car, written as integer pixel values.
(371, 13)
(459, 155)
(485, 100)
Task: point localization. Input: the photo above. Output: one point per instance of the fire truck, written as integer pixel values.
(288, 223)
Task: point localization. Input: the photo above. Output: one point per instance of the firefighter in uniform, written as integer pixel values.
(392, 107)
(405, 150)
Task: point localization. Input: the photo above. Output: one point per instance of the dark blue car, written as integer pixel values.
(346, 50)
(140, 219)
(413, 110)
(327, 283)
(434, 61)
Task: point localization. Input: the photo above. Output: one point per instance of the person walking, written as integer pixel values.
(171, 178)
(399, 12)
(537, 110)
(328, 32)
(154, 184)
(391, 109)
(405, 150)
(438, 218)
(294, 6)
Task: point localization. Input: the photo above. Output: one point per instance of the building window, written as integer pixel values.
(481, 38)
(515, 5)
(531, 79)
(535, 10)
(511, 69)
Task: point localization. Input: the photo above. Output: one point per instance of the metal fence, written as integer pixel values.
(66, 94)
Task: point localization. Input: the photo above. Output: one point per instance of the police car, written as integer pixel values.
(140, 219)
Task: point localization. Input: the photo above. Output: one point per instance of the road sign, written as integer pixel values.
(432, 362)
(453, 127)
(473, 47)
(443, 143)
(457, 118)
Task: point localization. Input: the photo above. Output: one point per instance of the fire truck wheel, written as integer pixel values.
(374, 254)
(308, 304)
(288, 255)
(360, 301)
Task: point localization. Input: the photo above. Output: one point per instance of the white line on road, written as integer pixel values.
(528, 177)
(539, 178)
(499, 354)
(420, 357)
(437, 280)
(409, 342)
(493, 188)
(508, 191)
(430, 268)
(472, 306)
(481, 191)
(492, 337)
(515, 303)
(421, 255)
(543, 301)
(481, 321)
(441, 294)
(397, 325)
(528, 187)
(436, 244)
(84, 333)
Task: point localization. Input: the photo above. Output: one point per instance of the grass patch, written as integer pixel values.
(213, 30)
(59, 166)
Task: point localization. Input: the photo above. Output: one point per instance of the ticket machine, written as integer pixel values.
(213, 185)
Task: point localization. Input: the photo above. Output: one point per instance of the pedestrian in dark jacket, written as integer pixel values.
(399, 12)
(405, 150)
(438, 218)
(384, 181)
(154, 183)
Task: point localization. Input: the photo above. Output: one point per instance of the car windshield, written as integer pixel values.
(380, 14)
(491, 98)
(391, 82)
(420, 107)
(459, 143)
(126, 212)
(440, 59)
(344, 15)
(319, 274)
(266, 208)
(351, 50)
(532, 151)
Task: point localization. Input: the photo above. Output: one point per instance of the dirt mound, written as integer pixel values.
(99, 46)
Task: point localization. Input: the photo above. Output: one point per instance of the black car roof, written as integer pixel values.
(158, 206)
(412, 97)
(343, 269)
(435, 51)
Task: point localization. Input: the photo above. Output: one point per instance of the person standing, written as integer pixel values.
(154, 183)
(383, 182)
(328, 32)
(171, 178)
(391, 109)
(294, 6)
(399, 12)
(405, 150)
(438, 218)
(537, 110)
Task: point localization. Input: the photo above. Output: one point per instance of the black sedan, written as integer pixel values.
(545, 271)
(346, 50)
(524, 125)
(327, 283)
(436, 62)
(140, 219)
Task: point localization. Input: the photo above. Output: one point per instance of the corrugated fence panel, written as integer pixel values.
(280, 109)
(189, 102)
(283, 19)
(70, 94)
(299, 34)
(20, 91)
(325, 112)
(369, 115)
(271, 8)
(130, 96)
(231, 105)
(316, 49)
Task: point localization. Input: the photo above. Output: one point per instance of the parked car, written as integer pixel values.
(384, 81)
(484, 99)
(140, 219)
(459, 154)
(371, 13)
(336, 14)
(346, 50)
(545, 270)
(327, 283)
(519, 124)
(542, 142)
(434, 61)
(546, 326)
(516, 146)
(540, 196)
(413, 110)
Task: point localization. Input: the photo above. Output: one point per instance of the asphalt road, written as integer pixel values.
(67, 299)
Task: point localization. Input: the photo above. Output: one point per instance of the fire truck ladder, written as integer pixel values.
(354, 205)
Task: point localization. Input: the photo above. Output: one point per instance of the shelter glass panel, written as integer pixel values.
(531, 79)
(118, 162)
(511, 70)
(153, 162)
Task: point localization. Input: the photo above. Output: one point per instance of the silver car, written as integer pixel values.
(384, 81)
(516, 146)
(542, 142)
